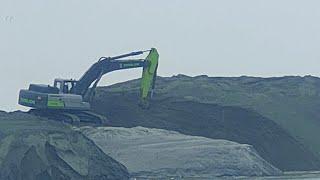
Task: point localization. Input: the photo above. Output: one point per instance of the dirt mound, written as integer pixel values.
(35, 149)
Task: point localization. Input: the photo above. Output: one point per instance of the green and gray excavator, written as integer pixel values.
(69, 100)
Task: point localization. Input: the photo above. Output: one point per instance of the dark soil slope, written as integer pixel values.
(209, 120)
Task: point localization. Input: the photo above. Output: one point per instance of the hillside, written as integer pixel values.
(278, 116)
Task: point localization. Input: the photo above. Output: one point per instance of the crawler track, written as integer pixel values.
(78, 118)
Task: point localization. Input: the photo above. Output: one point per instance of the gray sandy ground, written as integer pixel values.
(297, 175)
(155, 153)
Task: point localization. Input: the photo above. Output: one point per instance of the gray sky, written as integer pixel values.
(41, 40)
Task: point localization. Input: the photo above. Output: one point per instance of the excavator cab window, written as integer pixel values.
(57, 84)
(67, 86)
(64, 86)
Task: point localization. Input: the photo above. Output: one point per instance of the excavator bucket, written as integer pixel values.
(148, 77)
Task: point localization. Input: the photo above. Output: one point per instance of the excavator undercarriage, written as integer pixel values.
(73, 117)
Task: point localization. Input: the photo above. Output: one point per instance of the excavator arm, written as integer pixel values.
(149, 76)
(106, 65)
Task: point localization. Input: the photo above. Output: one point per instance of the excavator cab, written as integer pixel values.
(64, 85)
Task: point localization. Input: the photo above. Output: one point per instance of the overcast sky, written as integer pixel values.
(41, 40)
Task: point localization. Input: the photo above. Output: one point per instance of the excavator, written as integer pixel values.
(68, 100)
